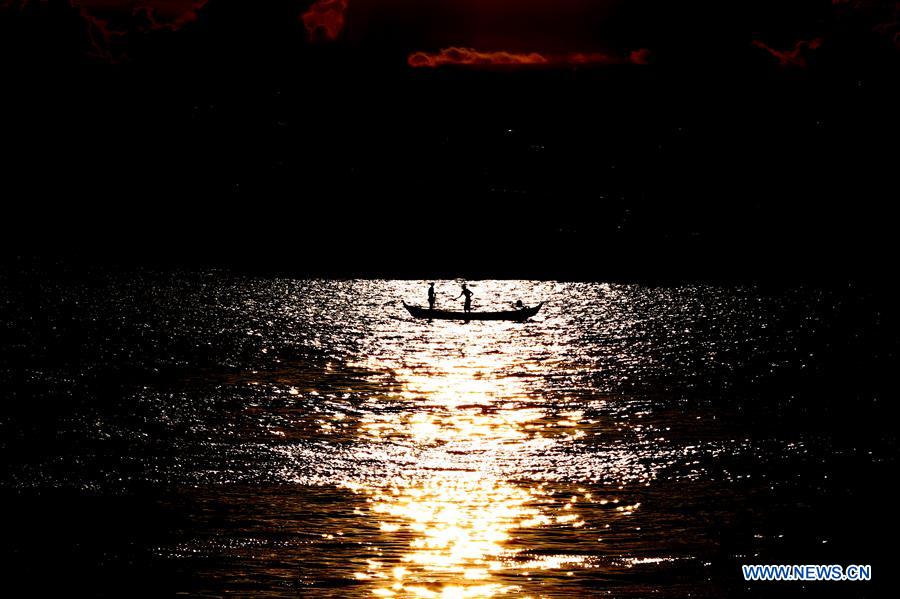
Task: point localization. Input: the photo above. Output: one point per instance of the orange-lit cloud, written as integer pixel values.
(472, 57)
(469, 57)
(795, 57)
(325, 17)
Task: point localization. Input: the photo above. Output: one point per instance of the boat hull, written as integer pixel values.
(514, 315)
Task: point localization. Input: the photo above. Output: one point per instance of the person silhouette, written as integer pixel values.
(431, 298)
(467, 306)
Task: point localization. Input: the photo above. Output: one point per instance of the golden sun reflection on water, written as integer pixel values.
(457, 525)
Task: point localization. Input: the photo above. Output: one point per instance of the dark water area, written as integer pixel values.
(210, 434)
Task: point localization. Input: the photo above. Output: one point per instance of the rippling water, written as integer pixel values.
(212, 434)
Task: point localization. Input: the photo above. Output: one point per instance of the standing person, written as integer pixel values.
(431, 297)
(467, 307)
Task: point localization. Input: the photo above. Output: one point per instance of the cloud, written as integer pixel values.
(470, 57)
(325, 17)
(795, 57)
(640, 56)
(153, 18)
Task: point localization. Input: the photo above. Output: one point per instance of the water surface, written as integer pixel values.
(215, 434)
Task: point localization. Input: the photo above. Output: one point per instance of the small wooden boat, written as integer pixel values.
(517, 315)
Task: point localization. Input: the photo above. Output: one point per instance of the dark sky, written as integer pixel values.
(554, 137)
